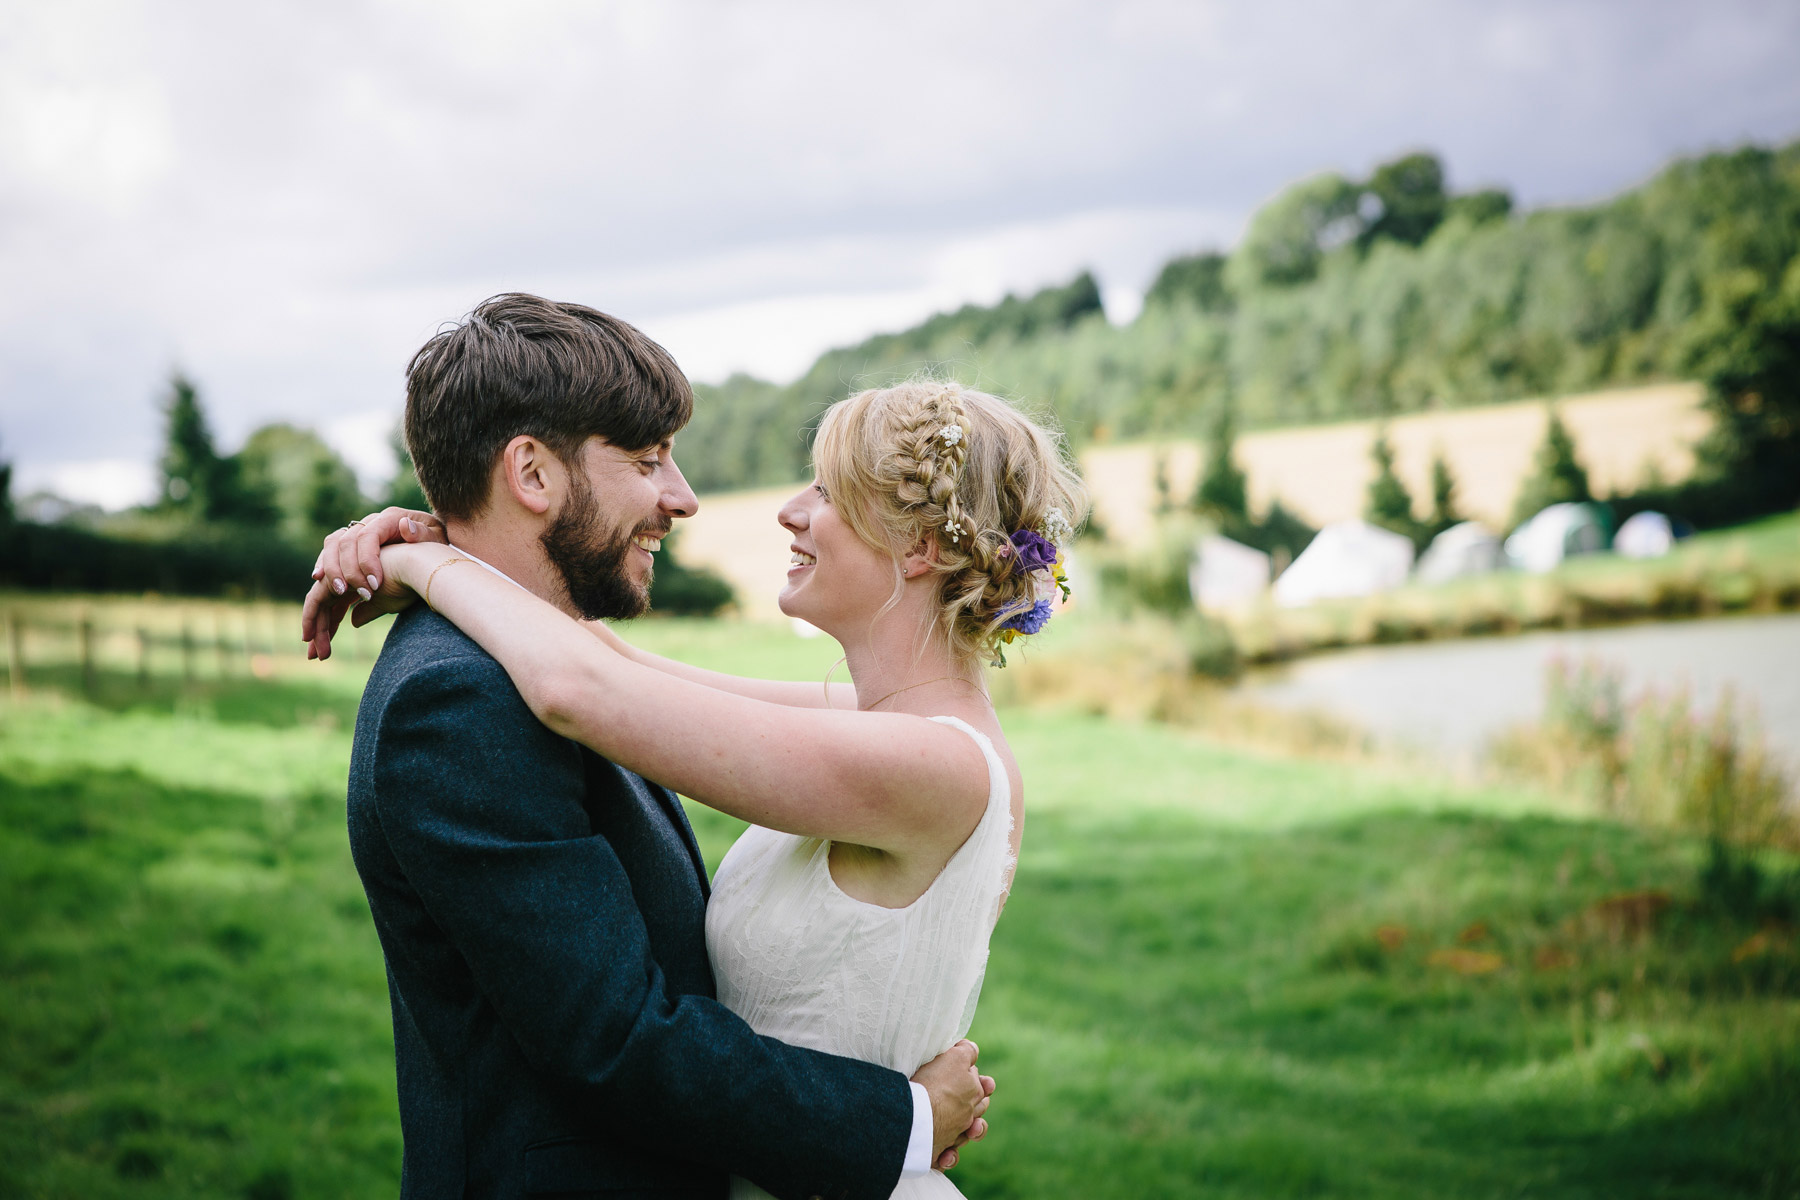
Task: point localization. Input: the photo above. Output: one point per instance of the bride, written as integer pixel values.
(854, 915)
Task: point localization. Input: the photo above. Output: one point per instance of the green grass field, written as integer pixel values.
(1221, 972)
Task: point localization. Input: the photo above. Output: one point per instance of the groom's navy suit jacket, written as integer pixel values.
(542, 914)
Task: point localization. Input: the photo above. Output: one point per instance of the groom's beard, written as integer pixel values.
(591, 560)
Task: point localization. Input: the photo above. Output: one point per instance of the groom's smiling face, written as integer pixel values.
(618, 506)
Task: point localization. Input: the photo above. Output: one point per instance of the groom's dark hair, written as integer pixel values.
(521, 364)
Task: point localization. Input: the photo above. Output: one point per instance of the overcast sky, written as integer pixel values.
(286, 199)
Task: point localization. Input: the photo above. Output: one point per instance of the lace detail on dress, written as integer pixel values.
(803, 962)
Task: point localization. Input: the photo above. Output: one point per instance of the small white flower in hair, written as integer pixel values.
(1057, 527)
(952, 434)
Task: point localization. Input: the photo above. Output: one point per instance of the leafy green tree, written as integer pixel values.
(1747, 350)
(1480, 207)
(332, 496)
(1198, 279)
(1557, 476)
(311, 489)
(403, 489)
(1410, 196)
(1489, 307)
(747, 431)
(1289, 236)
(1222, 495)
(1389, 505)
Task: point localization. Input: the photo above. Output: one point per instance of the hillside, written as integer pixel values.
(1346, 299)
(1319, 472)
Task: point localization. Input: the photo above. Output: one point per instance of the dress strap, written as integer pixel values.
(992, 839)
(999, 786)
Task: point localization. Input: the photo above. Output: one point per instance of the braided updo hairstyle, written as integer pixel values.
(897, 480)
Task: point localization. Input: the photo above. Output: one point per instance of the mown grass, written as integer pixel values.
(1220, 972)
(195, 1002)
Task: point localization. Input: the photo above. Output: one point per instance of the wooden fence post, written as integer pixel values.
(187, 649)
(143, 639)
(15, 653)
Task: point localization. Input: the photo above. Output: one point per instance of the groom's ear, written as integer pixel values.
(531, 474)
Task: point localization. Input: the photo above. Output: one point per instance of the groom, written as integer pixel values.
(542, 910)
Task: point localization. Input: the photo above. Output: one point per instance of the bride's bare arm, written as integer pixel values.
(887, 780)
(349, 565)
(775, 691)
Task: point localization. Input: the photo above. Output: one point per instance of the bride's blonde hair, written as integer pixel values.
(899, 477)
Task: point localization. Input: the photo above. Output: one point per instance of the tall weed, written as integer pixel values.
(1655, 760)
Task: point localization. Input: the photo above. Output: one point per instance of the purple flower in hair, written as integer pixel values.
(1036, 552)
(1029, 620)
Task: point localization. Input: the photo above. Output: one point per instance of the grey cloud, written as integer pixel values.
(287, 198)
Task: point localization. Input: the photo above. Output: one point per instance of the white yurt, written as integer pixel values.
(1227, 573)
(1348, 558)
(1645, 535)
(1470, 548)
(1558, 532)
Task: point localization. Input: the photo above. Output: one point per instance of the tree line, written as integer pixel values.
(1356, 298)
(247, 522)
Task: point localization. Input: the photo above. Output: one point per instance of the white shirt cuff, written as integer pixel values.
(918, 1147)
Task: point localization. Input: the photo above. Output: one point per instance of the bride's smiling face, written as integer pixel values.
(836, 580)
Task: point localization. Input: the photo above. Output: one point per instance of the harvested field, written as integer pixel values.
(1321, 472)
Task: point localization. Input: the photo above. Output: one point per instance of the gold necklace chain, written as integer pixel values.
(909, 687)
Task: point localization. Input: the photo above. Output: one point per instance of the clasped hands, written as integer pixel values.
(959, 1096)
(348, 576)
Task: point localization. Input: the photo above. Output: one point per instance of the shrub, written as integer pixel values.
(203, 561)
(683, 591)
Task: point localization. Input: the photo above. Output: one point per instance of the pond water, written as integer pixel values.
(1451, 697)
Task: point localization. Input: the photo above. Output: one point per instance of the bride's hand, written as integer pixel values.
(351, 558)
(354, 553)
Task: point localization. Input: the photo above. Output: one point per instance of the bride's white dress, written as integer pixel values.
(803, 962)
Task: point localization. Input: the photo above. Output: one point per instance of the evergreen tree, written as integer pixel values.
(190, 461)
(1282, 533)
(198, 482)
(1443, 495)
(1389, 505)
(1222, 493)
(1557, 475)
(6, 497)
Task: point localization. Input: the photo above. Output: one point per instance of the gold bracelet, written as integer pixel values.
(433, 576)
